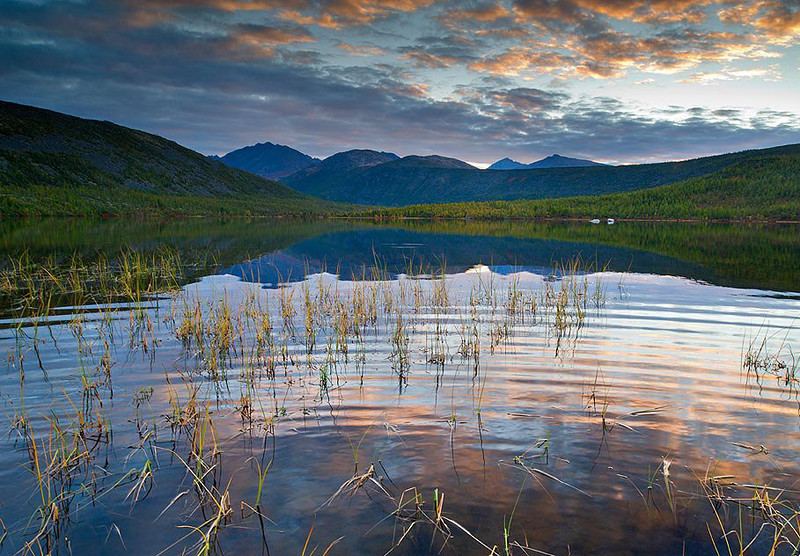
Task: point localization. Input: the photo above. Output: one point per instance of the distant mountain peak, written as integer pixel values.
(355, 158)
(558, 161)
(433, 161)
(270, 160)
(507, 164)
(553, 161)
(342, 162)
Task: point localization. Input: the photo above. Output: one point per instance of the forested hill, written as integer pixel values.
(52, 163)
(391, 184)
(766, 188)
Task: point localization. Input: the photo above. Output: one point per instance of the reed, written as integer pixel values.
(320, 331)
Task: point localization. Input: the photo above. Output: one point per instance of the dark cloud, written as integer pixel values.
(442, 52)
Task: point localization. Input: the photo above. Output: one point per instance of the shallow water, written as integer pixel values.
(559, 434)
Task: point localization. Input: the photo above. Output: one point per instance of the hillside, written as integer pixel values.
(765, 188)
(393, 185)
(268, 160)
(431, 161)
(54, 164)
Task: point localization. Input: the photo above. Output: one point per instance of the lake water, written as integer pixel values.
(364, 388)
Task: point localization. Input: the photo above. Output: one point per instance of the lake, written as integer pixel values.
(352, 387)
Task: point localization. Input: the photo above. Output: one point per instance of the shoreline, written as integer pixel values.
(386, 220)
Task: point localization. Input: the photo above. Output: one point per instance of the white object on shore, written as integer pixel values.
(610, 220)
(595, 220)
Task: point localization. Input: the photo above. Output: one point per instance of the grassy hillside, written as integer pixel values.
(391, 184)
(763, 188)
(54, 164)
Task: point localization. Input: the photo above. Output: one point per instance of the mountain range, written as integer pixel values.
(427, 180)
(383, 179)
(276, 161)
(552, 161)
(55, 164)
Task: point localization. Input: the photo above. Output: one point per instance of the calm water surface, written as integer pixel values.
(466, 388)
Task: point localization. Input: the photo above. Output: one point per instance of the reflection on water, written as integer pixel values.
(738, 255)
(520, 397)
(717, 256)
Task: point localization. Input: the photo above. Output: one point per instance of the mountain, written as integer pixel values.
(396, 184)
(558, 161)
(342, 175)
(268, 160)
(337, 166)
(432, 161)
(765, 186)
(552, 161)
(52, 163)
(507, 164)
(356, 158)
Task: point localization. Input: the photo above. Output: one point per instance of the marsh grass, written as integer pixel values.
(768, 354)
(415, 314)
(307, 340)
(749, 517)
(35, 287)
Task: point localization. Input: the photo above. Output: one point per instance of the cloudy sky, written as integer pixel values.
(616, 81)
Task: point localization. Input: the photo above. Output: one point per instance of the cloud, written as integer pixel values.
(248, 40)
(520, 60)
(528, 101)
(780, 19)
(605, 39)
(442, 52)
(771, 73)
(649, 11)
(339, 13)
(217, 74)
(602, 53)
(481, 13)
(428, 60)
(361, 49)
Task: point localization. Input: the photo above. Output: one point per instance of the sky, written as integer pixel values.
(617, 81)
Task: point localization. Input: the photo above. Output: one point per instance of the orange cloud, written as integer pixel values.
(296, 17)
(247, 41)
(325, 13)
(740, 14)
(360, 50)
(145, 13)
(487, 12)
(359, 12)
(611, 54)
(780, 20)
(648, 11)
(521, 61)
